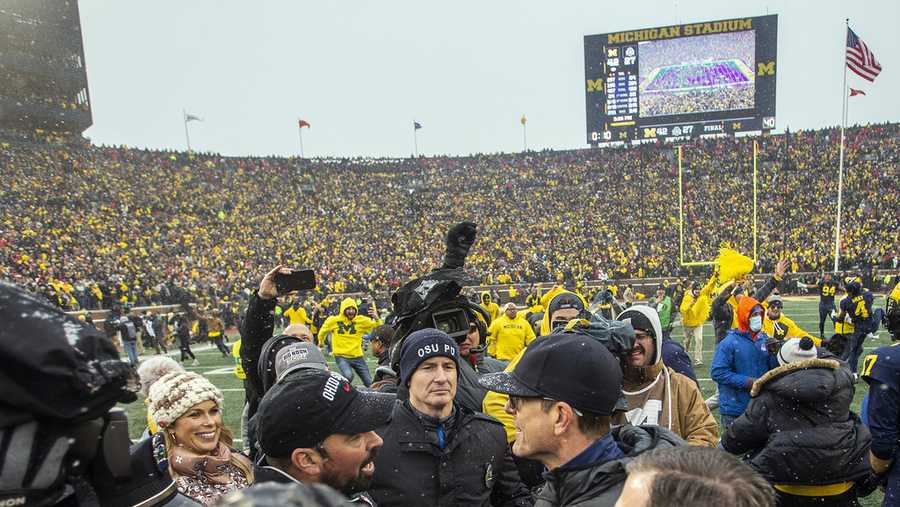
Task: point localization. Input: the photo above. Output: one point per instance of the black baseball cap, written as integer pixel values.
(308, 406)
(564, 367)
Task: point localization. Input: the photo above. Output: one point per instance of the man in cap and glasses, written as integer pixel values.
(562, 393)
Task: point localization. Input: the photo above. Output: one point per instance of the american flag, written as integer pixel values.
(859, 59)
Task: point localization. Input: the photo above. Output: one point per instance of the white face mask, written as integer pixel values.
(756, 323)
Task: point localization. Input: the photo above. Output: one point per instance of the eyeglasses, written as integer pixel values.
(516, 402)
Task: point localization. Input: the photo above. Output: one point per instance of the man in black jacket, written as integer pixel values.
(799, 430)
(437, 452)
(563, 392)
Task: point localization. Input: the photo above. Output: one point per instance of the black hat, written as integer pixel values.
(565, 367)
(565, 300)
(422, 345)
(307, 407)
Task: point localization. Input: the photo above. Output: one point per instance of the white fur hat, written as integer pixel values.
(175, 393)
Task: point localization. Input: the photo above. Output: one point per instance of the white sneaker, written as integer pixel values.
(195, 363)
(712, 402)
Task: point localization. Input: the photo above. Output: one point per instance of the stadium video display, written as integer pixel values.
(681, 81)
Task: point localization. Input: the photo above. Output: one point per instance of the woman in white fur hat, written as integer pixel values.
(187, 408)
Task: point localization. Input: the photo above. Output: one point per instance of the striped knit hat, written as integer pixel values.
(175, 393)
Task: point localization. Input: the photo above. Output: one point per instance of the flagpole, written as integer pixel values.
(524, 136)
(415, 140)
(300, 134)
(837, 228)
(187, 136)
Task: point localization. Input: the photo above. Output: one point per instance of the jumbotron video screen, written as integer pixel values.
(681, 81)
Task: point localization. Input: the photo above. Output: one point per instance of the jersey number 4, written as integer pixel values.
(861, 310)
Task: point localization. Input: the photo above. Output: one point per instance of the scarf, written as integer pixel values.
(212, 467)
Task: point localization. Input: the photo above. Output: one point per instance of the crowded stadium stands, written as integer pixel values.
(90, 226)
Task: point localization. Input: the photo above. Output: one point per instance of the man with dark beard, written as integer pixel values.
(314, 427)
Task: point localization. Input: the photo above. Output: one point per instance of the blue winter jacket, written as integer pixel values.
(738, 358)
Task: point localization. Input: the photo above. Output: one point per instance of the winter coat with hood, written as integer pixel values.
(599, 484)
(740, 359)
(799, 428)
(346, 334)
(658, 395)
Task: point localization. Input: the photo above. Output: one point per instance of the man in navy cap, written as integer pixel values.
(563, 393)
(436, 451)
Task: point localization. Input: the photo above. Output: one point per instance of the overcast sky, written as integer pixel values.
(361, 71)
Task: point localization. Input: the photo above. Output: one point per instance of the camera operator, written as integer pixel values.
(435, 301)
(63, 441)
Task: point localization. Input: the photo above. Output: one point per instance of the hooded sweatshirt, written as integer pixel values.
(554, 304)
(346, 334)
(783, 328)
(492, 308)
(694, 311)
(740, 359)
(658, 395)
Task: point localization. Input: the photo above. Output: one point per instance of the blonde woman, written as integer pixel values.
(187, 408)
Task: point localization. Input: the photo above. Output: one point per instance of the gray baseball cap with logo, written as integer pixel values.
(297, 356)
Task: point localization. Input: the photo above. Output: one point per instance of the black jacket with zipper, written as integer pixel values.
(798, 427)
(473, 468)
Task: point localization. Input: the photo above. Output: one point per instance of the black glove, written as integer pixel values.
(866, 485)
(459, 240)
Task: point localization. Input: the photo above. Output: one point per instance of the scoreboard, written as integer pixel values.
(681, 81)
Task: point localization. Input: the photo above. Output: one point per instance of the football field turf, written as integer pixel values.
(220, 370)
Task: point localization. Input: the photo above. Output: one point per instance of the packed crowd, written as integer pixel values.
(91, 227)
(561, 403)
(700, 100)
